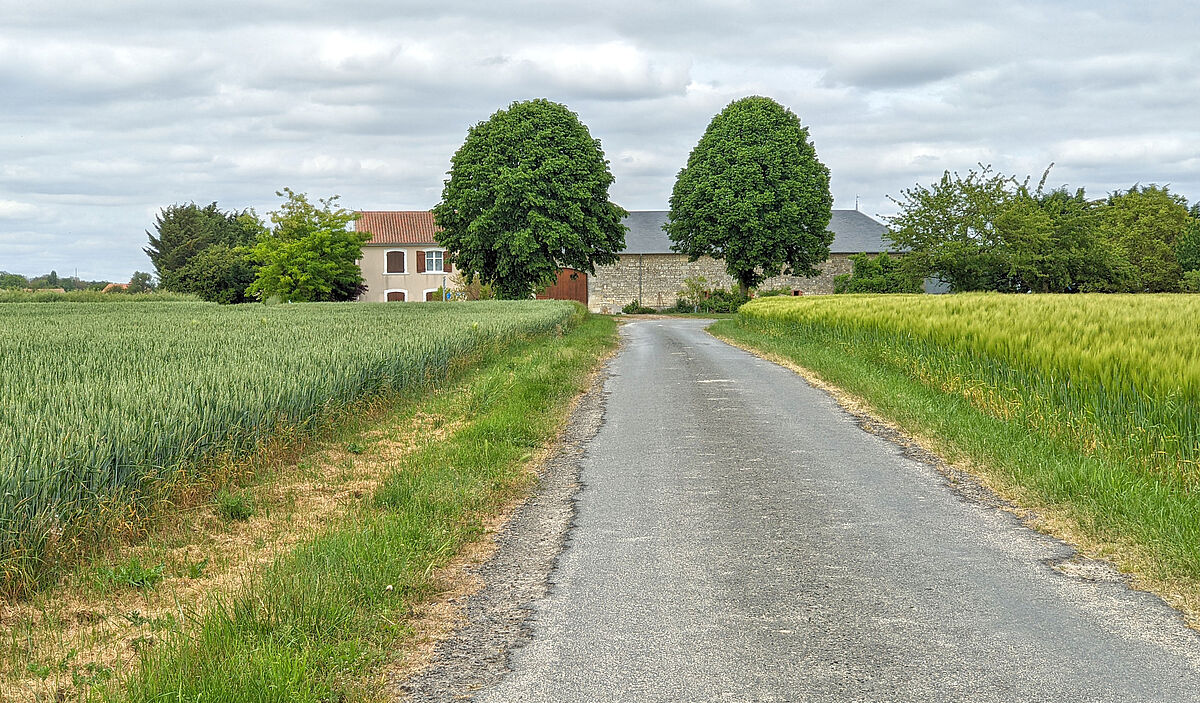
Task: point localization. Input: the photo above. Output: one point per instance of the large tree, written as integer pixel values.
(179, 249)
(1144, 222)
(310, 254)
(527, 196)
(754, 194)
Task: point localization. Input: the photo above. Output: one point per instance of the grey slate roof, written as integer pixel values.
(854, 232)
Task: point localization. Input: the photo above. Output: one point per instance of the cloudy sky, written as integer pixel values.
(111, 110)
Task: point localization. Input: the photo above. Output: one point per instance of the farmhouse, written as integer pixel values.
(403, 262)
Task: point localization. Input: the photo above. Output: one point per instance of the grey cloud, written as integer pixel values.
(112, 110)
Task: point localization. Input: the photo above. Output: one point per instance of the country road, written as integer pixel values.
(735, 535)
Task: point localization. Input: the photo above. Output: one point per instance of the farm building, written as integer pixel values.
(402, 261)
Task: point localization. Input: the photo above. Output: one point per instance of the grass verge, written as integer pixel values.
(1143, 524)
(316, 623)
(302, 582)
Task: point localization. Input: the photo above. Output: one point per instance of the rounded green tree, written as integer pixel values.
(754, 194)
(527, 196)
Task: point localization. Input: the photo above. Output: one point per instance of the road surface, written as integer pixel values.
(738, 536)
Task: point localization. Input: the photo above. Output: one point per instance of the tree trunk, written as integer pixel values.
(744, 288)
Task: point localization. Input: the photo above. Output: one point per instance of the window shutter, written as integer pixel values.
(420, 262)
(395, 262)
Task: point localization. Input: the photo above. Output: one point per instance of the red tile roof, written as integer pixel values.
(398, 226)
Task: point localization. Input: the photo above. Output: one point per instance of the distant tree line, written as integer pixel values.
(306, 254)
(140, 282)
(991, 232)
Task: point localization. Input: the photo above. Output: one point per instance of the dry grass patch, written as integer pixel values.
(59, 643)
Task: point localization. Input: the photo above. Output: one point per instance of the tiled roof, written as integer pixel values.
(398, 226)
(853, 233)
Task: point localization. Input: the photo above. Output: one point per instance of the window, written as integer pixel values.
(395, 262)
(434, 261)
(397, 296)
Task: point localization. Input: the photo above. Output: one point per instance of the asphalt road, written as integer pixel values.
(739, 536)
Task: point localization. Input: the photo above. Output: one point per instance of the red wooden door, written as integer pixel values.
(571, 285)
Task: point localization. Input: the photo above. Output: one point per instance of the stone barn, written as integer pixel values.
(650, 272)
(402, 262)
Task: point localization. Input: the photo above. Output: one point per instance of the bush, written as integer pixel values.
(1191, 282)
(877, 274)
(636, 308)
(695, 297)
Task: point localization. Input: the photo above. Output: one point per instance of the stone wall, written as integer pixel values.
(655, 279)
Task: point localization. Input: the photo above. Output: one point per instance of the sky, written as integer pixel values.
(110, 111)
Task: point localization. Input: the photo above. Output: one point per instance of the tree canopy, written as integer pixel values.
(754, 194)
(989, 231)
(309, 254)
(527, 195)
(190, 238)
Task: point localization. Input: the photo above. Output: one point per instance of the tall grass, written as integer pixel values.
(1117, 376)
(103, 408)
(1087, 407)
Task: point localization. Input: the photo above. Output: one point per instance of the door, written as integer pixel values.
(571, 285)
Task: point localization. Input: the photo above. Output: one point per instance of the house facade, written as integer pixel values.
(403, 262)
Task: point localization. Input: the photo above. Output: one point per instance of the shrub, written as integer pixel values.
(696, 297)
(1191, 282)
(877, 274)
(636, 308)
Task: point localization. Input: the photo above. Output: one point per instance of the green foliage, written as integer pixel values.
(153, 394)
(1191, 281)
(696, 296)
(1145, 223)
(140, 282)
(310, 254)
(636, 308)
(185, 232)
(472, 288)
(12, 280)
(234, 505)
(1187, 246)
(218, 274)
(133, 574)
(754, 194)
(528, 196)
(877, 274)
(988, 231)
